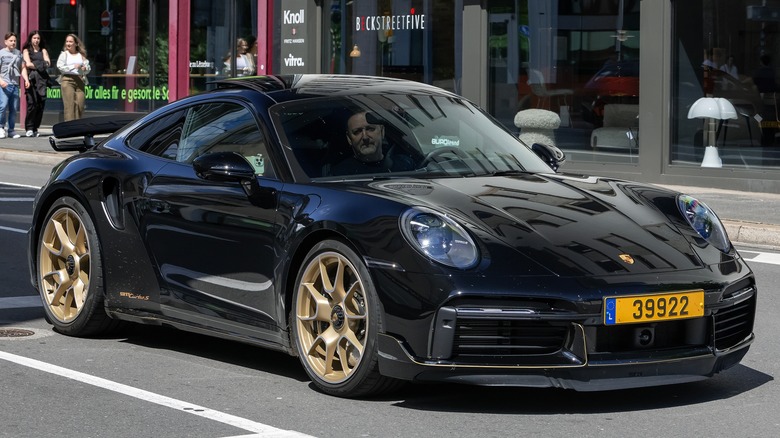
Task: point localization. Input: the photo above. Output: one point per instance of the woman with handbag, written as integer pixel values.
(36, 59)
(74, 67)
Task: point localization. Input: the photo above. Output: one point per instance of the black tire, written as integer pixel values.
(335, 322)
(70, 271)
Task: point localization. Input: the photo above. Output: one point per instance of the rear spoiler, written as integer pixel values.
(65, 133)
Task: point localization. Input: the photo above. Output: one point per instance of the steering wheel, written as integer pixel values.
(436, 153)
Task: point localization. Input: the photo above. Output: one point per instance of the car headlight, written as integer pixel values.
(438, 237)
(704, 221)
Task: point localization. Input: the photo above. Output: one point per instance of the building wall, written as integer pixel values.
(485, 50)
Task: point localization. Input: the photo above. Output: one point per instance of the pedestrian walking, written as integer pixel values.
(11, 70)
(36, 59)
(74, 67)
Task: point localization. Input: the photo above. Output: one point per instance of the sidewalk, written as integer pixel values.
(750, 218)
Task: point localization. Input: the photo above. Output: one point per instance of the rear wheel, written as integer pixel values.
(336, 321)
(70, 277)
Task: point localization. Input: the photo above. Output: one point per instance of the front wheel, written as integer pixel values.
(70, 277)
(336, 321)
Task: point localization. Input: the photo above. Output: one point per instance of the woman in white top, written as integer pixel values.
(245, 65)
(74, 67)
(730, 68)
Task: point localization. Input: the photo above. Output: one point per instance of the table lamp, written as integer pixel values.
(711, 109)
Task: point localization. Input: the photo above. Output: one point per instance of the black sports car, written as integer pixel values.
(384, 231)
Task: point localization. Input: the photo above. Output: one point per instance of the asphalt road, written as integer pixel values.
(151, 381)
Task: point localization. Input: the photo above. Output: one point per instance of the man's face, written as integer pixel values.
(365, 138)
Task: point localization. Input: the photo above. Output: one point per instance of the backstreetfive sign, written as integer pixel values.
(390, 22)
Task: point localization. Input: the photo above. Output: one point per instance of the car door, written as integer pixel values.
(212, 243)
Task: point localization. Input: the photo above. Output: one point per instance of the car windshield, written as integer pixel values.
(403, 135)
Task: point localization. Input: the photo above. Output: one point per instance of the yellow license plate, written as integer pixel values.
(650, 308)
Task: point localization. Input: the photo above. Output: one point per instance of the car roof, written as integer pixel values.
(285, 87)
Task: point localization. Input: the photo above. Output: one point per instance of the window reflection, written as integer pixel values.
(576, 59)
(727, 49)
(408, 39)
(223, 41)
(126, 43)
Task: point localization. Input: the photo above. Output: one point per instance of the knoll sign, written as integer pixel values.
(294, 48)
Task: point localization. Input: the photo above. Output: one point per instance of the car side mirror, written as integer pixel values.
(552, 155)
(223, 166)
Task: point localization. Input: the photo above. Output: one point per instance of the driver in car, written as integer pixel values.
(366, 139)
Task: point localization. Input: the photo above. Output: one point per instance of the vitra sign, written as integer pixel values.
(295, 52)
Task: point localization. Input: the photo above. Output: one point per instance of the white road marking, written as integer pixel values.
(25, 186)
(260, 430)
(761, 257)
(17, 199)
(15, 230)
(21, 302)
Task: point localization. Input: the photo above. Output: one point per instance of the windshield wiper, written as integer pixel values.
(508, 172)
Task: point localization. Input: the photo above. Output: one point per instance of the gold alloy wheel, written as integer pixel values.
(331, 317)
(64, 264)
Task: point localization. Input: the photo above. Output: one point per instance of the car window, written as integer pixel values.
(223, 127)
(214, 127)
(160, 137)
(421, 135)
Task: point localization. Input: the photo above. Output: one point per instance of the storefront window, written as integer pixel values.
(577, 59)
(12, 15)
(730, 50)
(126, 44)
(410, 39)
(223, 41)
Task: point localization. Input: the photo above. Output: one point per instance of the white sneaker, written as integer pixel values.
(2, 133)
(14, 135)
(29, 134)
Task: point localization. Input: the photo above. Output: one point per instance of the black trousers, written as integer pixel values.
(35, 105)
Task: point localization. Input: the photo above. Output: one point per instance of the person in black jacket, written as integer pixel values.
(36, 59)
(366, 137)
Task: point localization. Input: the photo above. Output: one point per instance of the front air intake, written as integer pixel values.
(734, 324)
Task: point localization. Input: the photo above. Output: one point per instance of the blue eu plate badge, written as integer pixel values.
(609, 311)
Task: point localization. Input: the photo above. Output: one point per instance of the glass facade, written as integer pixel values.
(223, 41)
(578, 59)
(730, 50)
(410, 39)
(126, 43)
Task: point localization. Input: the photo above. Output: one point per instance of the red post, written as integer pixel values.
(265, 10)
(178, 50)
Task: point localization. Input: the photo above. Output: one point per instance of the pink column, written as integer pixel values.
(178, 50)
(264, 36)
(131, 45)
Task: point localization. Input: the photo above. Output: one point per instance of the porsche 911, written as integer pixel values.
(383, 231)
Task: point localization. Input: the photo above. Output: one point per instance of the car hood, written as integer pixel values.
(569, 225)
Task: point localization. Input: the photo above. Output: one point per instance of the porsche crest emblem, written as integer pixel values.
(627, 258)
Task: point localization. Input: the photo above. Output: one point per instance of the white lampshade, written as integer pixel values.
(713, 108)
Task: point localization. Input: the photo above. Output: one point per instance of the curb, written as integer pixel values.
(758, 235)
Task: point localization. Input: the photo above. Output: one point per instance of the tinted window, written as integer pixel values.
(422, 135)
(160, 137)
(201, 129)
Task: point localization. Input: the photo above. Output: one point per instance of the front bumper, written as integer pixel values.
(502, 347)
(394, 362)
